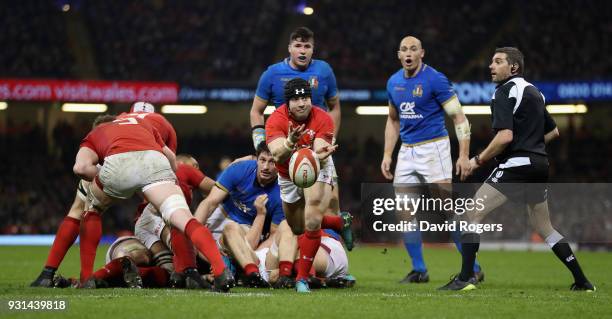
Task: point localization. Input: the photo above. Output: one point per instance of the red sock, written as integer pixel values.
(91, 232)
(153, 276)
(64, 238)
(332, 222)
(309, 244)
(111, 270)
(285, 268)
(184, 256)
(201, 237)
(250, 268)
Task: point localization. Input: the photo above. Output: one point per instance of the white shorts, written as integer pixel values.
(149, 227)
(261, 255)
(112, 252)
(337, 262)
(124, 174)
(290, 193)
(216, 222)
(82, 189)
(424, 163)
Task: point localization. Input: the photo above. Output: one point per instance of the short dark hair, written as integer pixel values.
(514, 56)
(103, 119)
(297, 87)
(262, 147)
(303, 34)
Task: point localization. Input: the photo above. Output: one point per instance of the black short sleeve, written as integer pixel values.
(503, 107)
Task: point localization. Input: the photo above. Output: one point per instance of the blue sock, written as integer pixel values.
(456, 236)
(414, 246)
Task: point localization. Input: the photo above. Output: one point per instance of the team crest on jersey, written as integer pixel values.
(418, 91)
(314, 83)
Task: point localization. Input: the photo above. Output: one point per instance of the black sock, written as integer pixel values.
(470, 243)
(564, 253)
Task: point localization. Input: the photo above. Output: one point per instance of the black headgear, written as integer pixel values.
(297, 87)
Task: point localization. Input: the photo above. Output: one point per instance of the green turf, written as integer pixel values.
(518, 284)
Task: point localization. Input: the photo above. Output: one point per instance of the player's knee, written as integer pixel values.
(171, 205)
(313, 222)
(231, 229)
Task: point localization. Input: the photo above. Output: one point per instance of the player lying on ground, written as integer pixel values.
(329, 268)
(294, 125)
(522, 128)
(128, 264)
(123, 146)
(244, 205)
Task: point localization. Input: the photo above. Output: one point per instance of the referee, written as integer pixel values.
(523, 127)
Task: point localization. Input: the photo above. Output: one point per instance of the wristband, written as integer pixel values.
(258, 133)
(288, 145)
(478, 160)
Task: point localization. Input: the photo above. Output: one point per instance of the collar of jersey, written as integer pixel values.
(509, 79)
(289, 65)
(423, 65)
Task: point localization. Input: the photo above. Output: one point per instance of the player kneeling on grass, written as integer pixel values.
(297, 124)
(243, 205)
(135, 159)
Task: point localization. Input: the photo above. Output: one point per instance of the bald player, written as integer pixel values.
(419, 96)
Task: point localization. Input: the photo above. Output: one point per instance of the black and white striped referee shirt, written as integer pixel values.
(519, 106)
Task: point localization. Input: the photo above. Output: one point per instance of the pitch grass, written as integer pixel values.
(518, 284)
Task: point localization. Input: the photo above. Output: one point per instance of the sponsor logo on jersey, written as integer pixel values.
(418, 91)
(407, 111)
(399, 88)
(314, 83)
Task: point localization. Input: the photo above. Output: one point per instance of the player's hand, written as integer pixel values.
(260, 204)
(473, 164)
(463, 168)
(325, 151)
(385, 167)
(295, 133)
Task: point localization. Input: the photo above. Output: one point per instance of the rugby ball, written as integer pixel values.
(304, 168)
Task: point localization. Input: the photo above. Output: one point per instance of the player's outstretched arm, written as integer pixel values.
(85, 164)
(391, 136)
(258, 132)
(334, 111)
(323, 149)
(208, 205)
(206, 185)
(462, 130)
(170, 156)
(282, 148)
